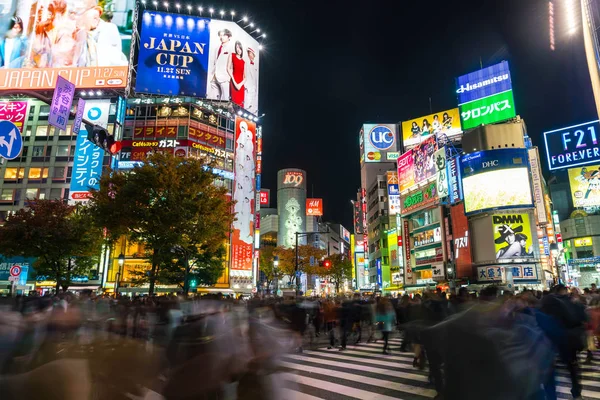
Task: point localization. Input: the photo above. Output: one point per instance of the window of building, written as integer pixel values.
(25, 151)
(44, 111)
(48, 151)
(112, 110)
(42, 194)
(67, 132)
(59, 172)
(38, 151)
(7, 195)
(62, 151)
(28, 131)
(31, 194)
(38, 173)
(55, 193)
(14, 173)
(41, 130)
(72, 151)
(128, 133)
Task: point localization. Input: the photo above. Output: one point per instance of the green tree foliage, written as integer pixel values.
(339, 270)
(267, 265)
(60, 236)
(287, 260)
(172, 206)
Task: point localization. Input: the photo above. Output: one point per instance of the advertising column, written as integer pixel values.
(244, 195)
(291, 206)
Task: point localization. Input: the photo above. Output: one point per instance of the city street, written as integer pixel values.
(362, 372)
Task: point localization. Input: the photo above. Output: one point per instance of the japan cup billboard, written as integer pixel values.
(85, 41)
(197, 56)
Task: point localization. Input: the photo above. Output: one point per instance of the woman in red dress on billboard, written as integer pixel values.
(237, 71)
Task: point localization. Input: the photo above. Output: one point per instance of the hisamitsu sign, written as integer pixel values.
(483, 83)
(573, 146)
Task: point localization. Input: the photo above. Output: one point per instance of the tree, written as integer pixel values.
(267, 265)
(60, 236)
(340, 269)
(172, 206)
(287, 260)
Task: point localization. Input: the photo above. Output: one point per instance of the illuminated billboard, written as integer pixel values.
(573, 146)
(512, 236)
(74, 39)
(489, 110)
(242, 237)
(378, 141)
(424, 163)
(265, 197)
(406, 171)
(291, 206)
(393, 193)
(427, 237)
(585, 186)
(462, 245)
(441, 123)
(392, 238)
(483, 83)
(314, 207)
(495, 179)
(196, 56)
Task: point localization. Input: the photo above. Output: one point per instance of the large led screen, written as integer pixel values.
(585, 186)
(200, 57)
(441, 123)
(83, 41)
(495, 179)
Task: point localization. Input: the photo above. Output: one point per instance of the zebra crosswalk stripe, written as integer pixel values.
(363, 372)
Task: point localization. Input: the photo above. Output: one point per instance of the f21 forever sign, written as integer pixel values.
(573, 146)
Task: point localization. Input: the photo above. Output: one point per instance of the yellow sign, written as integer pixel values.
(512, 236)
(416, 130)
(582, 242)
(585, 185)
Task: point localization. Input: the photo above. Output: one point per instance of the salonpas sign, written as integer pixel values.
(495, 108)
(422, 198)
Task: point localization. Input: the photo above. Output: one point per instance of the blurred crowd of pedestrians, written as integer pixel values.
(494, 345)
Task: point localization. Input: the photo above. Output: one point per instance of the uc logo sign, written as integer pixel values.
(381, 137)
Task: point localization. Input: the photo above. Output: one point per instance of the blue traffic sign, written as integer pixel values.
(11, 142)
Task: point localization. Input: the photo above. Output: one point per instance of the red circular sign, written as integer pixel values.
(15, 270)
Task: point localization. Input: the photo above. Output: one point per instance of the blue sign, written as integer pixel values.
(78, 116)
(379, 273)
(381, 137)
(258, 183)
(129, 164)
(87, 165)
(173, 55)
(489, 160)
(62, 100)
(454, 180)
(11, 142)
(121, 110)
(573, 146)
(483, 83)
(546, 245)
(393, 189)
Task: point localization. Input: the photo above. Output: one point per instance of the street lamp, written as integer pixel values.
(276, 274)
(118, 277)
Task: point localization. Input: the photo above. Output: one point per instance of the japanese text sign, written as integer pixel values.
(14, 111)
(87, 166)
(61, 103)
(488, 110)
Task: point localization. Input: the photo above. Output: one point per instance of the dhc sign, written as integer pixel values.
(573, 146)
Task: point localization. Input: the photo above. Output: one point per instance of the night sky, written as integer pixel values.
(328, 66)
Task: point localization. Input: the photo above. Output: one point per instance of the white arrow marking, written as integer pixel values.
(9, 145)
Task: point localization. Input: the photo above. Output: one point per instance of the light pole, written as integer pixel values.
(118, 277)
(276, 273)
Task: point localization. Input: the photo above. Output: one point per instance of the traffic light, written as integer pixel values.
(327, 264)
(101, 138)
(193, 283)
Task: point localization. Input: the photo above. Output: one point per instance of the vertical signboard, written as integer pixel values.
(441, 172)
(87, 163)
(78, 116)
(538, 191)
(242, 237)
(62, 100)
(358, 224)
(392, 237)
(424, 164)
(454, 180)
(393, 193)
(462, 243)
(265, 197)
